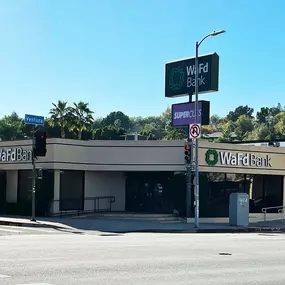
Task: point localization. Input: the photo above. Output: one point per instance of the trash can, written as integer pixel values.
(239, 210)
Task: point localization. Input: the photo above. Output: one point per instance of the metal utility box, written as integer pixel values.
(239, 210)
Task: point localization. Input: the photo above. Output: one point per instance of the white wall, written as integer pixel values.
(56, 192)
(105, 184)
(12, 186)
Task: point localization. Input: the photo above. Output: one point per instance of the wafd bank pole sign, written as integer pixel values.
(180, 76)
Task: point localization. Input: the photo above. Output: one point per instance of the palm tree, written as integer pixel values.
(60, 116)
(82, 118)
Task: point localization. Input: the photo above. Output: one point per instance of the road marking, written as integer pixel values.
(4, 276)
(9, 230)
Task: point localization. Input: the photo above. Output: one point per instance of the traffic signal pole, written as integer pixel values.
(34, 176)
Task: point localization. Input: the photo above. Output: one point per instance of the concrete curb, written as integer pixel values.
(244, 230)
(209, 231)
(193, 230)
(31, 225)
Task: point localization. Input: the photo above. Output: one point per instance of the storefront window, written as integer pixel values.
(216, 185)
(215, 190)
(235, 183)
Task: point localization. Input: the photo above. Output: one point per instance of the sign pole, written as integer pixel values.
(179, 82)
(196, 141)
(34, 174)
(189, 174)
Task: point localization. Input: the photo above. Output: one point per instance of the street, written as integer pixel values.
(55, 258)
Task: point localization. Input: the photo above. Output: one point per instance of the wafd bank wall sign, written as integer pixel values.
(15, 154)
(180, 76)
(227, 158)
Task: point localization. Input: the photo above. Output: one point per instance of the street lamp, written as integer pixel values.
(196, 191)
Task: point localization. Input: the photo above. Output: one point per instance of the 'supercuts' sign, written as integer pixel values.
(183, 114)
(180, 76)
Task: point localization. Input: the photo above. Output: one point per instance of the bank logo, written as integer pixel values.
(176, 78)
(211, 157)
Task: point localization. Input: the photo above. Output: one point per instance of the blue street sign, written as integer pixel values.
(34, 120)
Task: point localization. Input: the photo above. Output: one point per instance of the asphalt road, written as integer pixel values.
(69, 259)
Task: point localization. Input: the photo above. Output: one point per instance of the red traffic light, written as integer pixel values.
(42, 137)
(187, 147)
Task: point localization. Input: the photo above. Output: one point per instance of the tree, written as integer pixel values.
(97, 123)
(262, 115)
(151, 130)
(228, 131)
(215, 120)
(240, 110)
(208, 129)
(77, 122)
(280, 124)
(275, 110)
(81, 118)
(108, 133)
(118, 124)
(176, 134)
(11, 127)
(264, 133)
(136, 124)
(149, 135)
(60, 116)
(155, 126)
(115, 116)
(244, 126)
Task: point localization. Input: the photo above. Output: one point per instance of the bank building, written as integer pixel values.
(137, 177)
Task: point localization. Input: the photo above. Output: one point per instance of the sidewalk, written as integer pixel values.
(128, 226)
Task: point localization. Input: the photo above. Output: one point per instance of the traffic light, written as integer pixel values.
(40, 143)
(187, 154)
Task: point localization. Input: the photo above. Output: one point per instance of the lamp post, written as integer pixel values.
(196, 189)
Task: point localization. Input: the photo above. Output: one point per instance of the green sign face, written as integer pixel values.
(180, 76)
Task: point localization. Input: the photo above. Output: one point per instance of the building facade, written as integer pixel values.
(137, 176)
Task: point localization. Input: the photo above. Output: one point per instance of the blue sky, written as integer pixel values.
(111, 53)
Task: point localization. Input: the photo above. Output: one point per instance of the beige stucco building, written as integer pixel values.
(142, 176)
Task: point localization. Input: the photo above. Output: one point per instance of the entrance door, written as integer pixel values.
(152, 192)
(150, 196)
